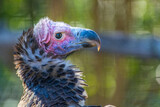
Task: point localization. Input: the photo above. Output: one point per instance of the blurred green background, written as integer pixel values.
(123, 81)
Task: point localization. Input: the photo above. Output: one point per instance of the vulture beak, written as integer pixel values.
(87, 38)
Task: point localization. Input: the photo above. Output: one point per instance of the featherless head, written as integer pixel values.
(61, 39)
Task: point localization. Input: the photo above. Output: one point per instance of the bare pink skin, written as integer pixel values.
(45, 32)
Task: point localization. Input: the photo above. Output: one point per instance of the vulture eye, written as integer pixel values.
(58, 36)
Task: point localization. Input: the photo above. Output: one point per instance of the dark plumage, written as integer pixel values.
(49, 80)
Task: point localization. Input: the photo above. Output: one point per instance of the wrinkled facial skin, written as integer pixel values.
(59, 46)
(69, 38)
(64, 44)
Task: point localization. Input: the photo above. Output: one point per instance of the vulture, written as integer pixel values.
(48, 79)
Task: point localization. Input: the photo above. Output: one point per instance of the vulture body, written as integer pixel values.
(39, 57)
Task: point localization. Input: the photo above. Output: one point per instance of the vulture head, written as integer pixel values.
(61, 39)
(39, 57)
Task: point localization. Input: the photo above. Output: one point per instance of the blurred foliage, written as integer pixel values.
(10, 86)
(113, 79)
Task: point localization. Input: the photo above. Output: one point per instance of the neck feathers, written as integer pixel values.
(47, 80)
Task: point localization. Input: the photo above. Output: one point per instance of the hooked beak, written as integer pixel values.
(87, 38)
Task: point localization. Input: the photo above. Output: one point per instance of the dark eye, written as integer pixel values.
(58, 36)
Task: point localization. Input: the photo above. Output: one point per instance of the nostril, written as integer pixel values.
(77, 33)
